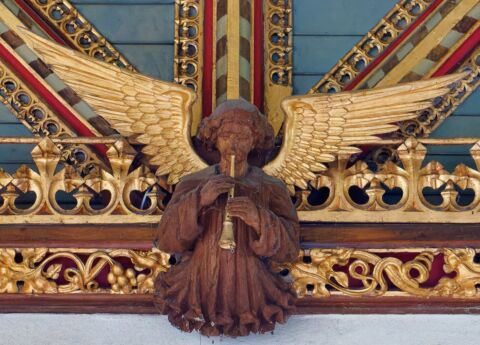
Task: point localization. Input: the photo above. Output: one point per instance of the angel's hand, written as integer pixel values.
(214, 187)
(244, 208)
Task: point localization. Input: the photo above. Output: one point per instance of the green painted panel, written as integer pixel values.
(339, 17)
(304, 82)
(450, 161)
(458, 126)
(11, 168)
(10, 153)
(14, 129)
(471, 106)
(153, 60)
(324, 31)
(133, 23)
(449, 149)
(317, 54)
(12, 156)
(6, 116)
(15, 154)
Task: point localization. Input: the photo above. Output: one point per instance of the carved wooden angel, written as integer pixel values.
(214, 290)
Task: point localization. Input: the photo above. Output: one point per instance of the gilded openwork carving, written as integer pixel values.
(323, 273)
(318, 273)
(27, 107)
(44, 270)
(418, 187)
(189, 49)
(279, 62)
(411, 190)
(41, 121)
(429, 119)
(98, 194)
(279, 41)
(76, 29)
(188, 41)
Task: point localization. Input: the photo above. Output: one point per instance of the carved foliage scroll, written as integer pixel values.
(325, 272)
(42, 270)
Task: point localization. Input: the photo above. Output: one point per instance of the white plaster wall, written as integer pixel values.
(105, 329)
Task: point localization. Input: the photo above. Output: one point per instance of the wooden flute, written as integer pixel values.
(227, 237)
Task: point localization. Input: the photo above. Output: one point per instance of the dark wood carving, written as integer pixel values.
(216, 290)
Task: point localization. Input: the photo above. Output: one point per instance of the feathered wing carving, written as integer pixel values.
(158, 112)
(319, 127)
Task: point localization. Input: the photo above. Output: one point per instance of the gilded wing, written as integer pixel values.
(158, 112)
(319, 127)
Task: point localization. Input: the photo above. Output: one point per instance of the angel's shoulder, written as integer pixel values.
(199, 176)
(269, 181)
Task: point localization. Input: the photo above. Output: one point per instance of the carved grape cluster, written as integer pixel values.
(121, 281)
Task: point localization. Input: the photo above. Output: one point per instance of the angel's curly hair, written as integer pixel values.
(225, 112)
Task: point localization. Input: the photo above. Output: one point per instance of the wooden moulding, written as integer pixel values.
(143, 304)
(390, 236)
(313, 235)
(387, 305)
(77, 303)
(132, 236)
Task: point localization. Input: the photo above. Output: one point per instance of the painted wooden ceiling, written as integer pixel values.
(323, 32)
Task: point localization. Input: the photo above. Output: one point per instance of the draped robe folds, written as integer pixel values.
(217, 291)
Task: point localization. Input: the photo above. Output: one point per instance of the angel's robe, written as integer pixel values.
(217, 291)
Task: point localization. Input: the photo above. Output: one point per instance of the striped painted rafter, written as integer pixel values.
(233, 33)
(233, 56)
(439, 39)
(433, 42)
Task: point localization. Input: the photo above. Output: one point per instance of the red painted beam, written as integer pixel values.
(207, 84)
(59, 108)
(258, 57)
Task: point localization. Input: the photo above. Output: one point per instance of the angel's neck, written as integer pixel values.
(241, 168)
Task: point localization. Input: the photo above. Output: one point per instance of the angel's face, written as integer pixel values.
(235, 139)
